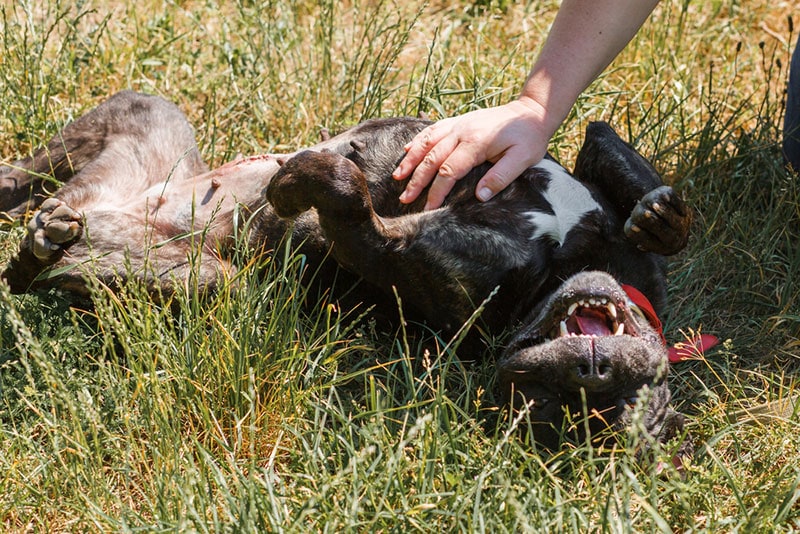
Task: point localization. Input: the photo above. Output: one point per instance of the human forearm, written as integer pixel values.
(585, 37)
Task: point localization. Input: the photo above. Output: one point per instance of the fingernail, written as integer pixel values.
(403, 196)
(484, 194)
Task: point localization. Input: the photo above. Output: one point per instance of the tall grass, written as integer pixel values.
(266, 408)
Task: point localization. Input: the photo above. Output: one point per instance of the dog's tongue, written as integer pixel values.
(593, 323)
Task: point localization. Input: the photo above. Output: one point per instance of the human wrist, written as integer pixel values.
(546, 119)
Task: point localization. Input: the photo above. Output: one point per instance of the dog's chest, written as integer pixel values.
(567, 201)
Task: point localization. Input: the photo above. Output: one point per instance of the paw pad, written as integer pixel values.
(55, 226)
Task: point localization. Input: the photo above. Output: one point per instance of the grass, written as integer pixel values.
(248, 412)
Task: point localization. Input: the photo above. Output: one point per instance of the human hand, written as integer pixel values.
(513, 137)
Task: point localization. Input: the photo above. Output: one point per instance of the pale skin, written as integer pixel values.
(585, 37)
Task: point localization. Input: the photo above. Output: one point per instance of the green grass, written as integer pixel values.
(246, 411)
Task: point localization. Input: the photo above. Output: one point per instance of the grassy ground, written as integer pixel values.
(248, 413)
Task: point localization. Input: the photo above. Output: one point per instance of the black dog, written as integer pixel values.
(553, 249)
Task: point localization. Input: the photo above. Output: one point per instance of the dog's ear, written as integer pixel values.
(615, 167)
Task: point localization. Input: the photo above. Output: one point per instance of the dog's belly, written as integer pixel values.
(178, 210)
(218, 191)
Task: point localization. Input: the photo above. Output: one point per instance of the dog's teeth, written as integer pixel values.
(592, 302)
(572, 308)
(612, 310)
(620, 329)
(562, 327)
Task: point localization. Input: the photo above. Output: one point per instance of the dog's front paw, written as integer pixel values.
(660, 222)
(327, 181)
(54, 228)
(288, 191)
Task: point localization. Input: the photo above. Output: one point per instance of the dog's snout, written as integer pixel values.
(593, 372)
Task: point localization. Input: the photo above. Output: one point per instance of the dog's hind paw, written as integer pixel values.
(660, 222)
(54, 228)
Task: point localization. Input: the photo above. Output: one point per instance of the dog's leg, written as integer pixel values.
(657, 218)
(615, 168)
(25, 183)
(136, 141)
(125, 118)
(110, 157)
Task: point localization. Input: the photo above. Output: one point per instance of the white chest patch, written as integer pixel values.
(569, 200)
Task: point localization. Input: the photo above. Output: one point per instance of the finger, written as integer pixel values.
(463, 158)
(417, 149)
(460, 161)
(427, 169)
(441, 186)
(502, 173)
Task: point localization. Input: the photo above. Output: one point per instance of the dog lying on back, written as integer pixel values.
(557, 253)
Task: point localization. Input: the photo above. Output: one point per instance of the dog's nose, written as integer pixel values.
(592, 372)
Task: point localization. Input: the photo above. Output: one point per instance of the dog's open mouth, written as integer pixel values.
(590, 317)
(589, 310)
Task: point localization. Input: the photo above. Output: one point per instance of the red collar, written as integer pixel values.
(638, 298)
(691, 349)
